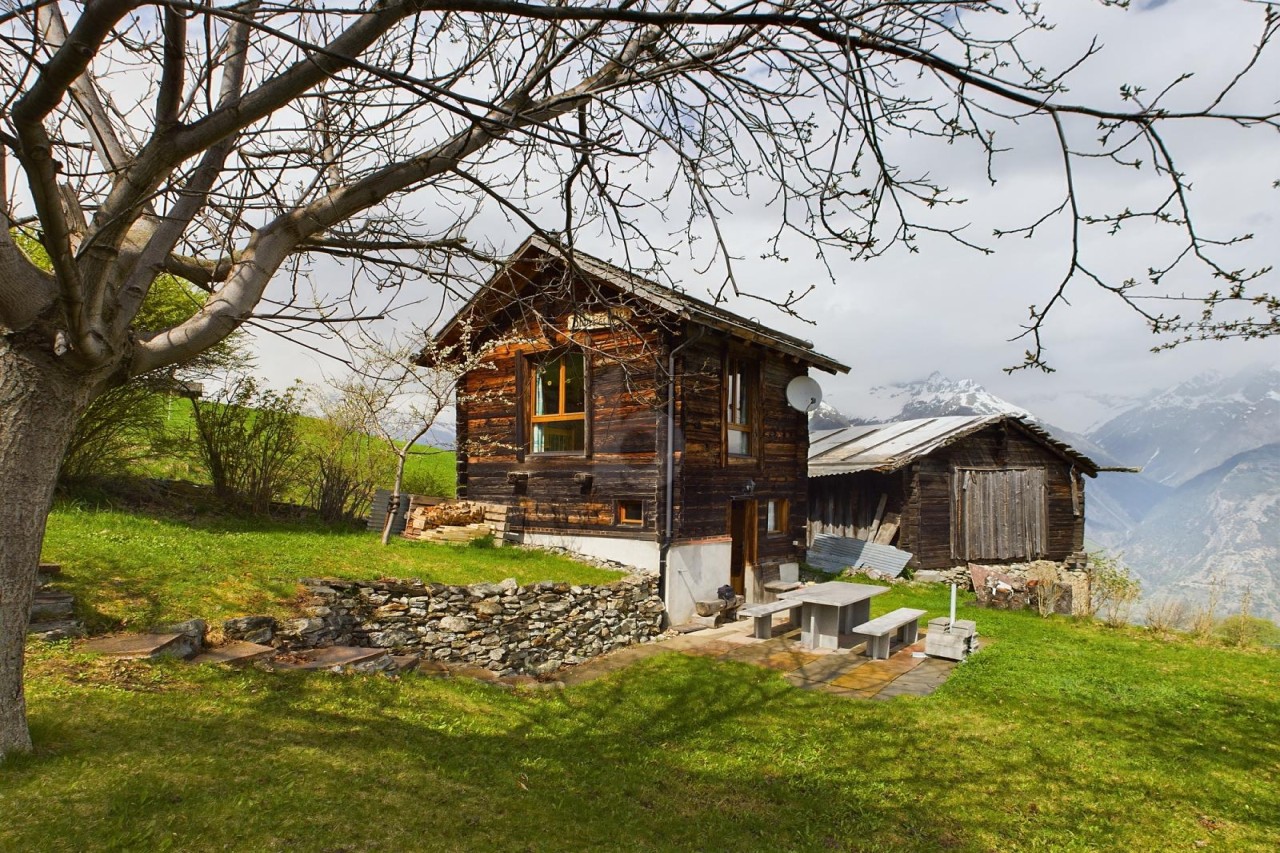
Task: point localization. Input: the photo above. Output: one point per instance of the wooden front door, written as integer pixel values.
(742, 533)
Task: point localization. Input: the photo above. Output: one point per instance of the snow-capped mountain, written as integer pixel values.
(827, 416)
(937, 396)
(1183, 431)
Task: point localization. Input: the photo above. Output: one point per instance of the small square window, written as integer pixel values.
(776, 516)
(630, 512)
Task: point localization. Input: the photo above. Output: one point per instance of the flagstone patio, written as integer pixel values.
(844, 672)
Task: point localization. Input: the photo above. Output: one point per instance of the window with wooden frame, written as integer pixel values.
(629, 512)
(740, 379)
(776, 516)
(558, 415)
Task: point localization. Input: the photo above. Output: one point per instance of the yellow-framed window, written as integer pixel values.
(630, 512)
(559, 410)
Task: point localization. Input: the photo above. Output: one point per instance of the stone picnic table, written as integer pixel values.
(831, 610)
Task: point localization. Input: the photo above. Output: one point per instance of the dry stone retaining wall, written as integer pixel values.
(505, 627)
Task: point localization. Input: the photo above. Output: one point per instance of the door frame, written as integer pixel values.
(743, 536)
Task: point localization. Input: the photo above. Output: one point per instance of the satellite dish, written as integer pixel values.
(804, 393)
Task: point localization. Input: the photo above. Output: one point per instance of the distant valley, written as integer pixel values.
(1205, 511)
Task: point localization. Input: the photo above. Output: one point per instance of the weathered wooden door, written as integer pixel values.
(742, 533)
(998, 514)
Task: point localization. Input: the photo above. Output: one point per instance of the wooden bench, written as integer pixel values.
(763, 614)
(904, 620)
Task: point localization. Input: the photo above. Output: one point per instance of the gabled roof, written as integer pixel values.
(500, 289)
(889, 447)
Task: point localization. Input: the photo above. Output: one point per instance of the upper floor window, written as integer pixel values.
(740, 406)
(559, 416)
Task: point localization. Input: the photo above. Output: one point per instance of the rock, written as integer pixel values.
(251, 629)
(455, 624)
(487, 608)
(192, 632)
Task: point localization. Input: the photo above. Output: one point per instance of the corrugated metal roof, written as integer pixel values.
(888, 447)
(668, 299)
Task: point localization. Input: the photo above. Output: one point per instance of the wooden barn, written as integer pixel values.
(950, 490)
(622, 419)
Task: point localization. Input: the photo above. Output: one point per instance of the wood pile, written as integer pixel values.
(458, 521)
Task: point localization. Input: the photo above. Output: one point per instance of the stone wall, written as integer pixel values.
(505, 627)
(1010, 587)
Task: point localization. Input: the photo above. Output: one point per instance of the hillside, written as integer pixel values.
(1197, 425)
(1221, 526)
(1206, 501)
(429, 470)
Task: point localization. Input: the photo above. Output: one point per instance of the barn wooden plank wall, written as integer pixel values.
(924, 493)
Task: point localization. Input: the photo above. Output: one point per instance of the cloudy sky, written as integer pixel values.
(951, 309)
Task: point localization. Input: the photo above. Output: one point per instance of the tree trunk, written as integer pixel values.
(394, 505)
(40, 401)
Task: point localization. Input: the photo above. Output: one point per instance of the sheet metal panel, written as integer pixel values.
(837, 553)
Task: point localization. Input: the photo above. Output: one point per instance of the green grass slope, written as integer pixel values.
(1057, 736)
(139, 571)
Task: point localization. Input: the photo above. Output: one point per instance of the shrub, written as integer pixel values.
(1113, 590)
(1205, 617)
(1043, 579)
(248, 443)
(1165, 615)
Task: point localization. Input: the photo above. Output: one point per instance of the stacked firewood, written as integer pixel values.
(456, 521)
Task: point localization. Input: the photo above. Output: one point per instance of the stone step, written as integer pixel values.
(47, 573)
(51, 631)
(235, 653)
(138, 646)
(335, 658)
(407, 663)
(51, 606)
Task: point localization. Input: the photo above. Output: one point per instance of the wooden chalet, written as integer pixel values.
(950, 490)
(622, 419)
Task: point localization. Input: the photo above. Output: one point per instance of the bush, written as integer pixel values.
(1113, 590)
(1165, 615)
(1043, 580)
(248, 443)
(343, 463)
(1204, 619)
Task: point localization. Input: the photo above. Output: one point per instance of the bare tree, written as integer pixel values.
(243, 146)
(402, 388)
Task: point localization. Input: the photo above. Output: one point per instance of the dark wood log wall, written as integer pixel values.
(709, 480)
(625, 400)
(997, 446)
(923, 493)
(626, 440)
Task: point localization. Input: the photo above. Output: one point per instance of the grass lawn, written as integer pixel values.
(1058, 736)
(138, 571)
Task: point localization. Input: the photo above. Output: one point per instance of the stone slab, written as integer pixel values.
(235, 652)
(406, 663)
(135, 646)
(65, 629)
(49, 606)
(332, 657)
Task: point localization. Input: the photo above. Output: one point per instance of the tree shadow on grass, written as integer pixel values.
(672, 753)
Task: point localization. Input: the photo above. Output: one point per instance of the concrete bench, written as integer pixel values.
(904, 620)
(763, 614)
